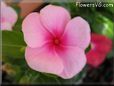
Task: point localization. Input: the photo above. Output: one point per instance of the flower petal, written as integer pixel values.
(95, 58)
(101, 43)
(34, 33)
(6, 26)
(3, 4)
(9, 14)
(102, 48)
(74, 61)
(77, 33)
(54, 18)
(43, 60)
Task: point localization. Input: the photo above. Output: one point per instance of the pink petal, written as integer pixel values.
(9, 14)
(43, 60)
(77, 33)
(3, 4)
(55, 18)
(34, 33)
(74, 61)
(6, 26)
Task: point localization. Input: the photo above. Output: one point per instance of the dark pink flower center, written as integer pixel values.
(56, 41)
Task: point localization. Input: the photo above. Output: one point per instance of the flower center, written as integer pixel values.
(56, 41)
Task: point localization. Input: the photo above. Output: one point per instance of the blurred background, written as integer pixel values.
(101, 19)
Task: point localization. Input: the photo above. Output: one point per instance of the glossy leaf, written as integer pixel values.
(103, 25)
(13, 44)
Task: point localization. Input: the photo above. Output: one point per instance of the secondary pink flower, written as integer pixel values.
(55, 43)
(8, 17)
(101, 46)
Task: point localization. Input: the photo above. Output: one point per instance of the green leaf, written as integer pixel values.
(111, 6)
(30, 76)
(18, 25)
(111, 54)
(103, 25)
(13, 44)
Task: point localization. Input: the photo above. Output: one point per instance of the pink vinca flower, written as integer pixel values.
(8, 17)
(100, 47)
(56, 43)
